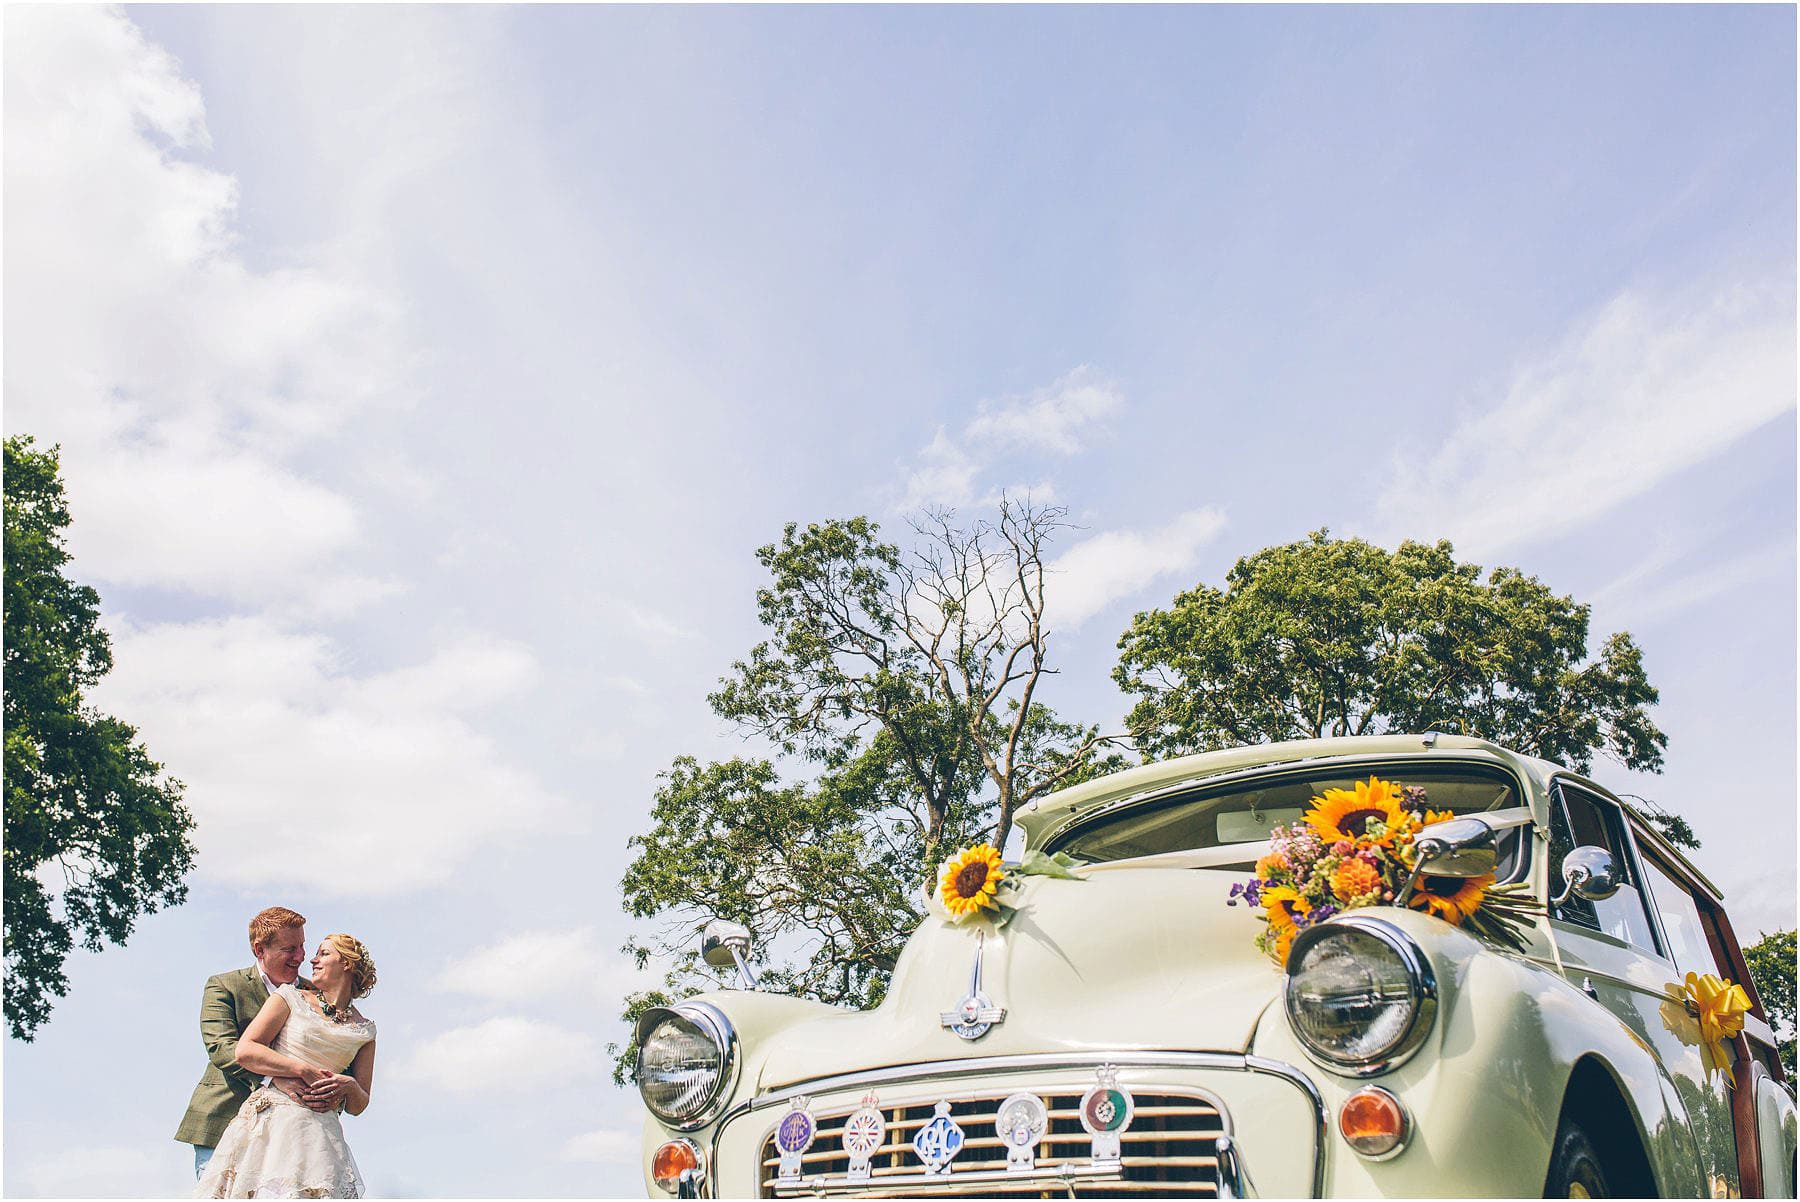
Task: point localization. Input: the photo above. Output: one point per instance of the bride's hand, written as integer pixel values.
(331, 1089)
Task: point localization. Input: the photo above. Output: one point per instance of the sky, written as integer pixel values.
(425, 378)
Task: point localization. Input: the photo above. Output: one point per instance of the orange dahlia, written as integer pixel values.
(1355, 880)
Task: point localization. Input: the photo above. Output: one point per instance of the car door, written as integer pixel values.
(1697, 936)
(1612, 950)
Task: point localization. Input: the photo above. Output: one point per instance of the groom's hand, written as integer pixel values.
(296, 1089)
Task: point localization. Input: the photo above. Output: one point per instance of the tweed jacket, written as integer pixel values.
(231, 1000)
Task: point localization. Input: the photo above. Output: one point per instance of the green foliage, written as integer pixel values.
(1771, 961)
(907, 682)
(1327, 637)
(83, 798)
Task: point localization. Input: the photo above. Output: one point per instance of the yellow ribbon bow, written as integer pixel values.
(1720, 1006)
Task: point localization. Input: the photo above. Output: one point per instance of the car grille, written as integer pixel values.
(1170, 1148)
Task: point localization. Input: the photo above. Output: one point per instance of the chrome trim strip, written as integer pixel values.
(984, 1065)
(822, 1186)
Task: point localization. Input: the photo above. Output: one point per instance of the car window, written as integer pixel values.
(1584, 819)
(1246, 810)
(1681, 922)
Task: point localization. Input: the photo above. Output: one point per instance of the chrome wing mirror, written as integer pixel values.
(727, 944)
(1461, 847)
(1589, 873)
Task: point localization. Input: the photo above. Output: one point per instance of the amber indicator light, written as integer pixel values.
(1372, 1122)
(671, 1161)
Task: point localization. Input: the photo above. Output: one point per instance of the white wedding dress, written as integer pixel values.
(277, 1148)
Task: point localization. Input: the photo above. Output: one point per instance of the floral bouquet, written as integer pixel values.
(1354, 848)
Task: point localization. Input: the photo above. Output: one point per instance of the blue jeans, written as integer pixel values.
(202, 1154)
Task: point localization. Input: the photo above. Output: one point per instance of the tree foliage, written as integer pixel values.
(96, 835)
(1327, 637)
(905, 684)
(1771, 962)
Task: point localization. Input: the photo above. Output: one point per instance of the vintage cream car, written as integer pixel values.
(1122, 1036)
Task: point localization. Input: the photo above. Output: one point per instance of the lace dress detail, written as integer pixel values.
(277, 1148)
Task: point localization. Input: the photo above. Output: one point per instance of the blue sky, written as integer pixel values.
(425, 378)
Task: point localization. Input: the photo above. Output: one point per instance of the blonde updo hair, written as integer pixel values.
(360, 962)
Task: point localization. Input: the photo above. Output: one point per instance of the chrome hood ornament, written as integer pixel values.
(976, 1013)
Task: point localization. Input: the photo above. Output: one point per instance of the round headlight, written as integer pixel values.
(1359, 994)
(687, 1055)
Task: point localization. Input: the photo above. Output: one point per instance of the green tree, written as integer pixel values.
(1326, 637)
(95, 834)
(1771, 961)
(905, 684)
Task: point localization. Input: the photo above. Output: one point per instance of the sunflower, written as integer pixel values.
(1344, 813)
(969, 881)
(1450, 898)
(1283, 904)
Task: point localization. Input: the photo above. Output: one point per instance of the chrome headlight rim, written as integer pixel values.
(712, 1020)
(1420, 978)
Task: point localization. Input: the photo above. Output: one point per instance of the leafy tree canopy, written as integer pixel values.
(908, 682)
(1329, 637)
(95, 834)
(1771, 961)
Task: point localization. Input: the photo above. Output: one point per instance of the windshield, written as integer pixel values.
(1244, 811)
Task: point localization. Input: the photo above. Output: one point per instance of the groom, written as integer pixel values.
(231, 1000)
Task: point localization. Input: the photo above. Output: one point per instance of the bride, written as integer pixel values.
(280, 1147)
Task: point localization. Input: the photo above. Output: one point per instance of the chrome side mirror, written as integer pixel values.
(1590, 874)
(725, 944)
(1461, 847)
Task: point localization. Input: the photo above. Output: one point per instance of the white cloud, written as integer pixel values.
(112, 1171)
(645, 621)
(1645, 389)
(1115, 565)
(1055, 420)
(627, 684)
(179, 381)
(568, 964)
(945, 475)
(502, 1055)
(606, 1146)
(1651, 591)
(292, 761)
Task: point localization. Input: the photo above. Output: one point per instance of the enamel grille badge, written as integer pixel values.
(1106, 1111)
(1020, 1125)
(976, 1013)
(863, 1132)
(938, 1141)
(793, 1137)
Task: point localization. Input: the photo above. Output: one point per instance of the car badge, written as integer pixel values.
(1106, 1111)
(864, 1131)
(793, 1137)
(938, 1141)
(1020, 1125)
(977, 1012)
